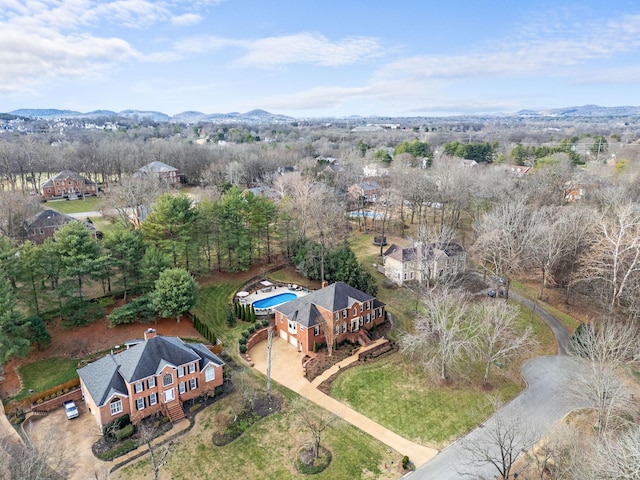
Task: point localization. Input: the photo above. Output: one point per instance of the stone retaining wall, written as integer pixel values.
(58, 401)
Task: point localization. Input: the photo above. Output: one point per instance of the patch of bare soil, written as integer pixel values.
(80, 342)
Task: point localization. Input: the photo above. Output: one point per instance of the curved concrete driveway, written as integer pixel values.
(286, 369)
(539, 407)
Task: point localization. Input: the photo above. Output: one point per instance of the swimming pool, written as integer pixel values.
(274, 301)
(367, 214)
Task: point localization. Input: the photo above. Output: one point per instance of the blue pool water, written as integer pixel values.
(275, 300)
(367, 214)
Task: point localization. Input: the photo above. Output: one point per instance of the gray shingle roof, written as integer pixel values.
(109, 374)
(333, 298)
(157, 167)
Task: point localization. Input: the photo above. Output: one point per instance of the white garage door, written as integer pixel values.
(293, 341)
(283, 335)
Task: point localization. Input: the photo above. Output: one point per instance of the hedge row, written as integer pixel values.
(203, 329)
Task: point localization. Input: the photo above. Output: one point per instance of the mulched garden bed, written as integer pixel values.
(261, 407)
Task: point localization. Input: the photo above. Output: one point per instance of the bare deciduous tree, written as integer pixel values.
(158, 454)
(316, 421)
(501, 442)
(605, 348)
(496, 338)
(441, 336)
(131, 200)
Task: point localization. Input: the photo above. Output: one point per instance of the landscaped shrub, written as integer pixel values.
(120, 449)
(257, 325)
(265, 323)
(242, 341)
(243, 349)
(232, 316)
(78, 312)
(194, 407)
(138, 309)
(218, 391)
(251, 329)
(118, 424)
(125, 432)
(245, 334)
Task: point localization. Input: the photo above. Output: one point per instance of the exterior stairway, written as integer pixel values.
(175, 411)
(363, 337)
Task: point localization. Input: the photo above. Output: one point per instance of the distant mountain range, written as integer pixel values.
(254, 116)
(261, 116)
(583, 111)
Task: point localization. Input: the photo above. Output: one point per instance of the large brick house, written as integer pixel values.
(369, 190)
(45, 224)
(153, 375)
(161, 171)
(423, 261)
(348, 312)
(67, 184)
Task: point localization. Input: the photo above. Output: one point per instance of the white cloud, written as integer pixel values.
(186, 19)
(307, 48)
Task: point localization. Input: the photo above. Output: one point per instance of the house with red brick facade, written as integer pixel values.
(161, 171)
(153, 375)
(67, 184)
(346, 311)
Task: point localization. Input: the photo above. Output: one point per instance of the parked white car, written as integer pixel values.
(70, 409)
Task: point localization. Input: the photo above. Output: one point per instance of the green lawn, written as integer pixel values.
(211, 309)
(87, 204)
(267, 450)
(398, 396)
(45, 374)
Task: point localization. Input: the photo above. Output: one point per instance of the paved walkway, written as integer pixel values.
(286, 369)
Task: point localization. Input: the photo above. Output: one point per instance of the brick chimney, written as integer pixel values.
(149, 333)
(325, 284)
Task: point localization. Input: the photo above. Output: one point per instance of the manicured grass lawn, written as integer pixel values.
(267, 450)
(87, 204)
(46, 374)
(398, 396)
(213, 302)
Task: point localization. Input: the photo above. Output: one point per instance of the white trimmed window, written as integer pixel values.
(167, 379)
(361, 320)
(193, 384)
(153, 399)
(380, 311)
(344, 327)
(115, 406)
(209, 373)
(337, 329)
(368, 318)
(344, 314)
(180, 372)
(192, 367)
(138, 387)
(182, 387)
(373, 315)
(140, 403)
(316, 330)
(355, 311)
(151, 382)
(361, 307)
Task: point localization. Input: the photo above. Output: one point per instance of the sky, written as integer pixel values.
(319, 58)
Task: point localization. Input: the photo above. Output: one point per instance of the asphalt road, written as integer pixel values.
(536, 409)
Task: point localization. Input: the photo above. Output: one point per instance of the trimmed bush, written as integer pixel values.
(245, 334)
(243, 349)
(125, 432)
(242, 341)
(121, 449)
(251, 329)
